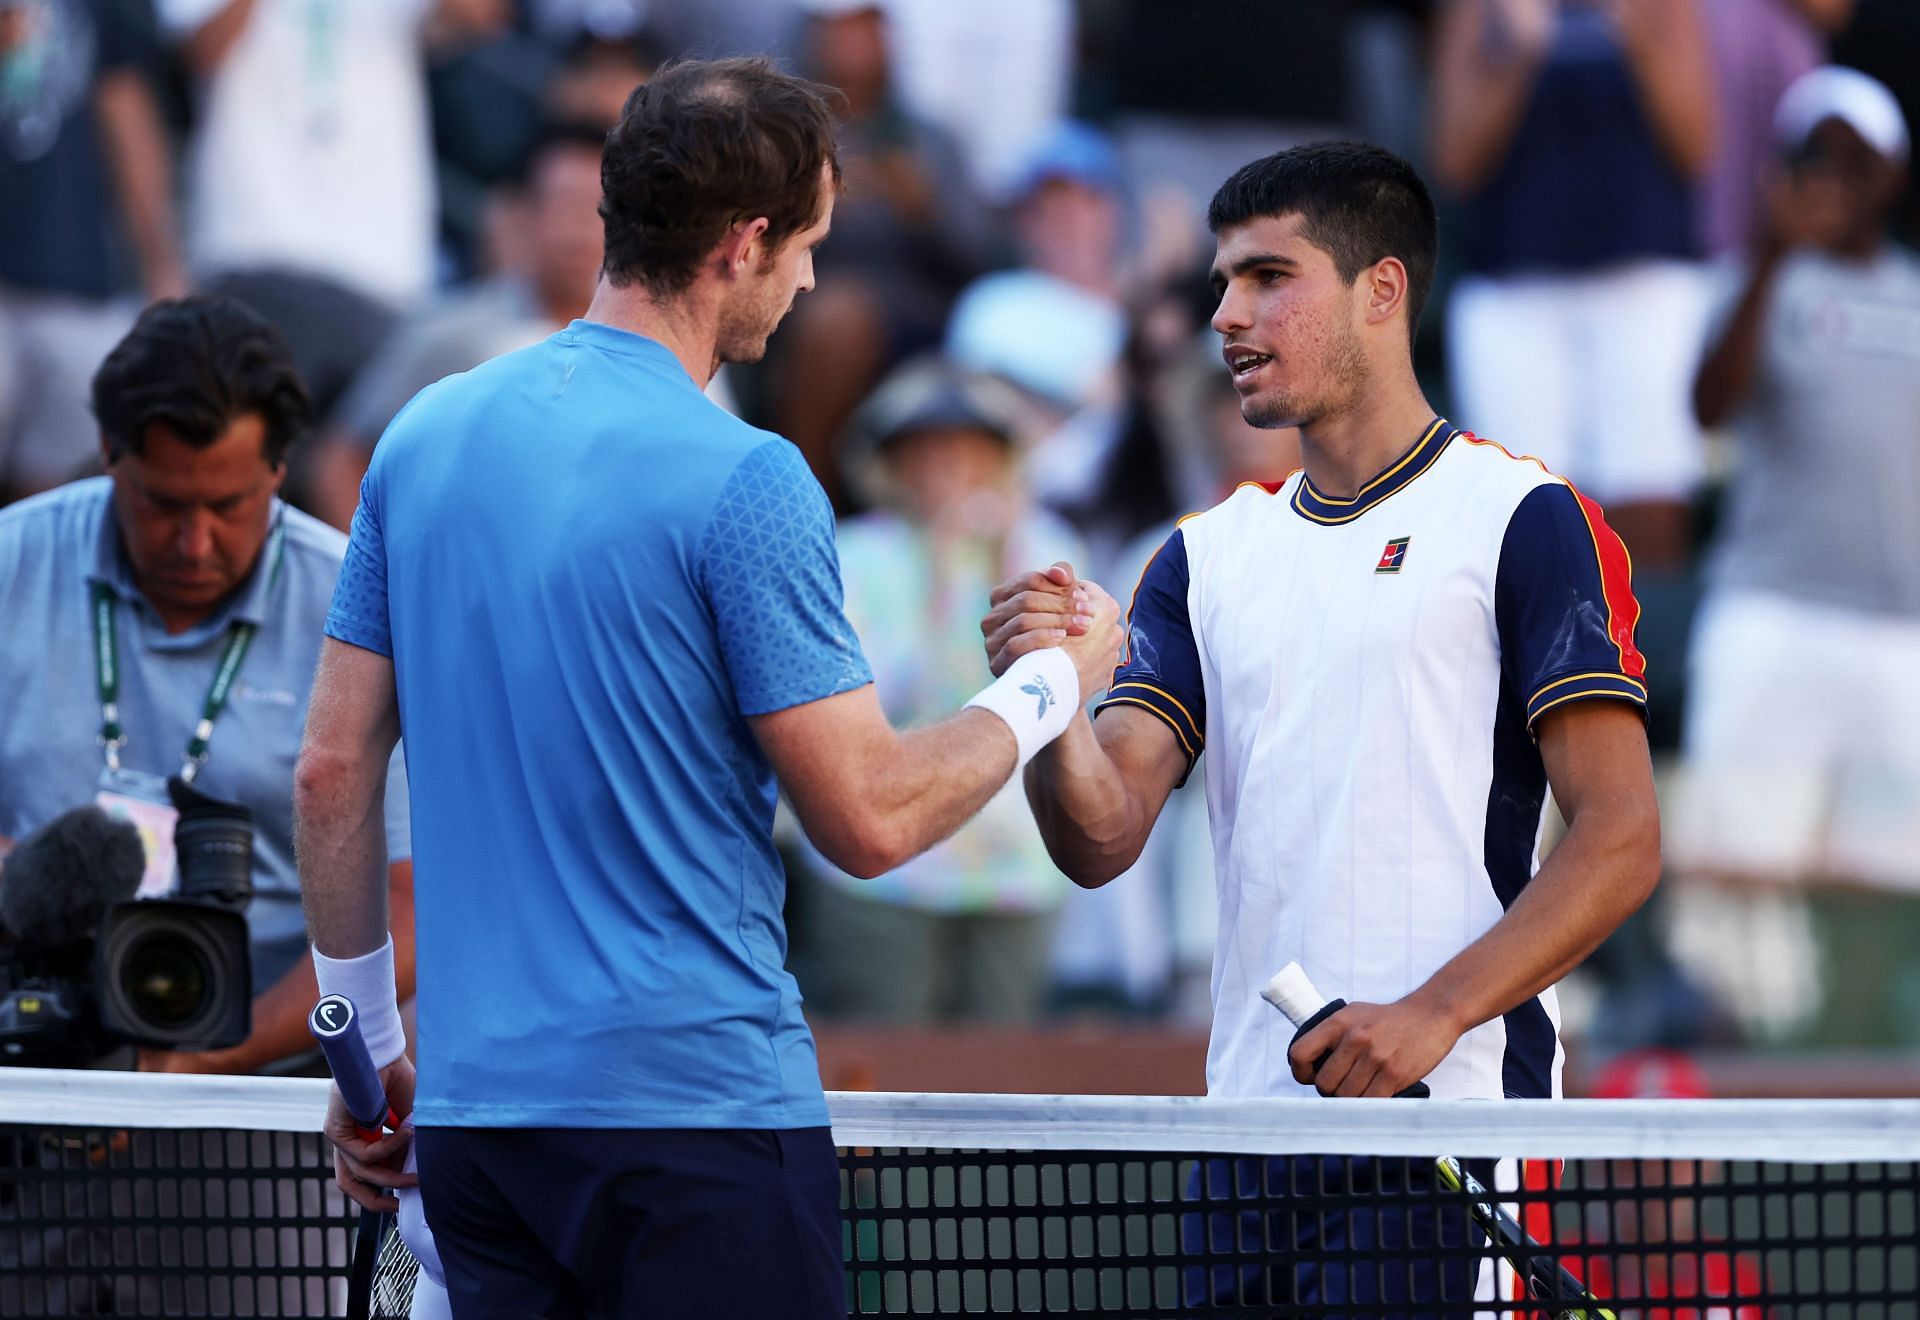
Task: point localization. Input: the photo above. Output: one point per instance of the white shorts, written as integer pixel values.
(1801, 755)
(1592, 374)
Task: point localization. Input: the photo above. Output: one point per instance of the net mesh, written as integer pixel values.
(127, 1220)
(182, 1196)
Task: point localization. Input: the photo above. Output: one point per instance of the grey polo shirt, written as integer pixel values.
(52, 549)
(1826, 487)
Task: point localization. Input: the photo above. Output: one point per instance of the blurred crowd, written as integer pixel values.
(1662, 275)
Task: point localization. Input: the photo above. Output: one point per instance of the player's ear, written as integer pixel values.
(741, 249)
(1384, 285)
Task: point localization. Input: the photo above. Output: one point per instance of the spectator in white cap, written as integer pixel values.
(1803, 735)
(960, 933)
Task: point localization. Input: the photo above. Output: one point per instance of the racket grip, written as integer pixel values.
(1418, 1091)
(335, 1023)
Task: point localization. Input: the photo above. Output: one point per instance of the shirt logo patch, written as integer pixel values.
(1044, 691)
(1393, 556)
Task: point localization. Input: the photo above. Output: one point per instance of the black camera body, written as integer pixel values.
(78, 980)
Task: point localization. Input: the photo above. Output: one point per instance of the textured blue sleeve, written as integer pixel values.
(358, 615)
(1160, 668)
(1564, 606)
(772, 579)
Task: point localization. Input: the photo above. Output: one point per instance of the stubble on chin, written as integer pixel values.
(741, 345)
(1274, 412)
(1347, 377)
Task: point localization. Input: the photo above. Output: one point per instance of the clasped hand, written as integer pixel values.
(1054, 607)
(370, 1171)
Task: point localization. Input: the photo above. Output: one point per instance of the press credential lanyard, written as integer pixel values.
(106, 662)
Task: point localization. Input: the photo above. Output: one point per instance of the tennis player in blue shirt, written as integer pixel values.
(608, 615)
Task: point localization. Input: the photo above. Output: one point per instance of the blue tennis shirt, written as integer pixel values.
(588, 576)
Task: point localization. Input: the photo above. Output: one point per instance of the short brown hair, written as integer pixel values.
(703, 144)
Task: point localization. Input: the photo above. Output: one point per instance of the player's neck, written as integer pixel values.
(687, 327)
(1344, 451)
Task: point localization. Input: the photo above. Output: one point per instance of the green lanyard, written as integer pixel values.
(106, 662)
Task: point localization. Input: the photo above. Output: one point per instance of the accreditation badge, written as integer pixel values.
(141, 800)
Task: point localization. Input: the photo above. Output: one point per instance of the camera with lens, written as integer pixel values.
(86, 967)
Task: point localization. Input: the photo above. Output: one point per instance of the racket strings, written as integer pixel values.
(395, 1276)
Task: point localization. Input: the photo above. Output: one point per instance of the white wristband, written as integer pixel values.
(368, 982)
(1038, 697)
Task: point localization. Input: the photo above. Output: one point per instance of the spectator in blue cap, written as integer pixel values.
(1055, 326)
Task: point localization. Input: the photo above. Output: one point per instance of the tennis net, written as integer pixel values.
(163, 1195)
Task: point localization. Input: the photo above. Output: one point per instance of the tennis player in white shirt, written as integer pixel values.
(1398, 656)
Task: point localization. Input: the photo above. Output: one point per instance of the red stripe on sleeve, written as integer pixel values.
(1616, 584)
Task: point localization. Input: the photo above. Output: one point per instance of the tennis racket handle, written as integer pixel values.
(335, 1023)
(1418, 1091)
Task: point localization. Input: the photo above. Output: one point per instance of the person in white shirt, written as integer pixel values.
(313, 150)
(997, 74)
(1397, 655)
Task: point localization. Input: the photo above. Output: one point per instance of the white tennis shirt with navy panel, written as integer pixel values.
(1368, 675)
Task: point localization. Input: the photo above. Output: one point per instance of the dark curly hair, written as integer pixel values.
(703, 144)
(1358, 202)
(198, 365)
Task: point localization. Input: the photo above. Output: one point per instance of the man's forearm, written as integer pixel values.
(210, 44)
(141, 160)
(1598, 876)
(927, 785)
(1675, 79)
(1726, 372)
(1090, 820)
(1833, 15)
(280, 1012)
(340, 839)
(1484, 80)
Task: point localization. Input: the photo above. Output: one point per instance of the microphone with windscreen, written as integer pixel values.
(61, 880)
(91, 965)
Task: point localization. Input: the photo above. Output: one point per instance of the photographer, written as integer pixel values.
(164, 620)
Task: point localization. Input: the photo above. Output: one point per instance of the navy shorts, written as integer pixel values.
(1319, 1232)
(663, 1223)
